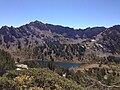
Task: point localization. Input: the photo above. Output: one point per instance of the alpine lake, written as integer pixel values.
(63, 64)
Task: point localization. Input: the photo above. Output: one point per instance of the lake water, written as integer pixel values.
(62, 64)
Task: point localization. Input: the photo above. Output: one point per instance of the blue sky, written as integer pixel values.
(72, 13)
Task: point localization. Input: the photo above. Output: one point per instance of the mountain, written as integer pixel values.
(37, 40)
(36, 29)
(35, 32)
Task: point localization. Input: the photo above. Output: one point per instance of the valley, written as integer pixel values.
(41, 56)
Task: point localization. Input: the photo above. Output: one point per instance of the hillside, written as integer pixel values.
(36, 79)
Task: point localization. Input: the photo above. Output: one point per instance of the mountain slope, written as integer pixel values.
(111, 39)
(104, 44)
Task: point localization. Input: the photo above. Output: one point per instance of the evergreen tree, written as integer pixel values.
(6, 62)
